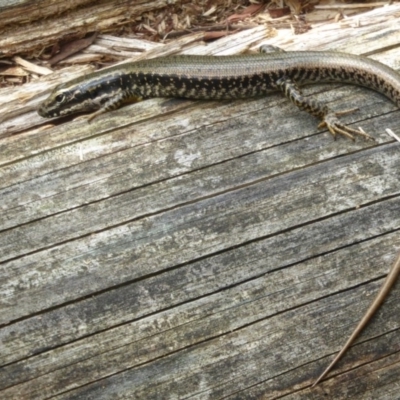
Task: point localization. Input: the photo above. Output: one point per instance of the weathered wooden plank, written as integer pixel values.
(365, 33)
(373, 385)
(368, 221)
(24, 11)
(69, 375)
(55, 19)
(187, 232)
(189, 281)
(234, 308)
(247, 349)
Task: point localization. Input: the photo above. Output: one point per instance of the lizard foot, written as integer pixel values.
(337, 128)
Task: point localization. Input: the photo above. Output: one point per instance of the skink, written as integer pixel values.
(232, 77)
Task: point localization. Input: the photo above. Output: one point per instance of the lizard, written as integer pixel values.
(232, 77)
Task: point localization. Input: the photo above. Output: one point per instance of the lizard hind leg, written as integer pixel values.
(314, 107)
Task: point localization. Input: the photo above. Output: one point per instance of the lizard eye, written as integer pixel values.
(60, 98)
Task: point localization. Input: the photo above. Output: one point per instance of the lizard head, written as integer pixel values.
(67, 98)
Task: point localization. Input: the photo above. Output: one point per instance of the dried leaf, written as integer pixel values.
(279, 12)
(72, 48)
(246, 13)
